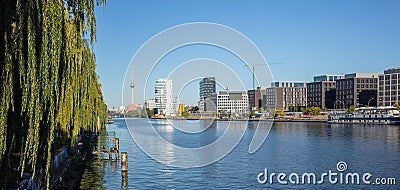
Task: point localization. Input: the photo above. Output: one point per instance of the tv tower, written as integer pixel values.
(133, 86)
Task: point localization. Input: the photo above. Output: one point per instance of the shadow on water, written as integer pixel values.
(93, 176)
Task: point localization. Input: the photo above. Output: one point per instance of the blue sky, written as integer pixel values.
(309, 37)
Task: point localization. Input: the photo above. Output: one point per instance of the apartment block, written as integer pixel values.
(256, 98)
(389, 87)
(356, 89)
(286, 95)
(322, 91)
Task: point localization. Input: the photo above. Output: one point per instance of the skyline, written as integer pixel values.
(219, 89)
(309, 37)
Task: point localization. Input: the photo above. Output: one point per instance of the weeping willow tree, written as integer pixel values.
(48, 86)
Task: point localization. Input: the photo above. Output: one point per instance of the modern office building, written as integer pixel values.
(164, 97)
(356, 89)
(235, 102)
(256, 98)
(322, 91)
(207, 89)
(389, 87)
(289, 96)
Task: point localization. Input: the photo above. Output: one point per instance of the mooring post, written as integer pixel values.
(117, 148)
(124, 159)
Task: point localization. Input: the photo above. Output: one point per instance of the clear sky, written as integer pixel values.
(309, 37)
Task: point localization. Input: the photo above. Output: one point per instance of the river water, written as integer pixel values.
(291, 148)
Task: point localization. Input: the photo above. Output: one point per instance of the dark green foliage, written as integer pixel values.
(149, 112)
(311, 111)
(351, 109)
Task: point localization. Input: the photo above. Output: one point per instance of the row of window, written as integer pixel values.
(393, 98)
(387, 77)
(388, 82)
(366, 80)
(232, 103)
(388, 93)
(232, 108)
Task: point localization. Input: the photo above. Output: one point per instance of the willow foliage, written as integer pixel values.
(48, 86)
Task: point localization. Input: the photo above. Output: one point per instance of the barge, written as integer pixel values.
(368, 115)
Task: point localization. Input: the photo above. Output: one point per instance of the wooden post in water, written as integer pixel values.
(124, 162)
(117, 148)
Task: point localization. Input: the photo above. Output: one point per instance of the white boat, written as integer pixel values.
(368, 115)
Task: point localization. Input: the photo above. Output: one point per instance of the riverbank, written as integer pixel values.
(318, 118)
(69, 174)
(68, 165)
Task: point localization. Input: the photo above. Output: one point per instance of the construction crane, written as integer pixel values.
(254, 65)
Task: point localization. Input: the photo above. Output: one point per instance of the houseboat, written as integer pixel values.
(368, 115)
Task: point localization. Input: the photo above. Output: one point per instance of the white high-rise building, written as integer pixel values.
(164, 96)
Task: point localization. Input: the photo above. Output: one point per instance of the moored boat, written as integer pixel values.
(368, 115)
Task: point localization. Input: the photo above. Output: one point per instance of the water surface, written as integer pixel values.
(292, 147)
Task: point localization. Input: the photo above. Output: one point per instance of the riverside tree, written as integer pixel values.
(48, 86)
(311, 111)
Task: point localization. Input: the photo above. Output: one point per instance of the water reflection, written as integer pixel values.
(93, 175)
(124, 180)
